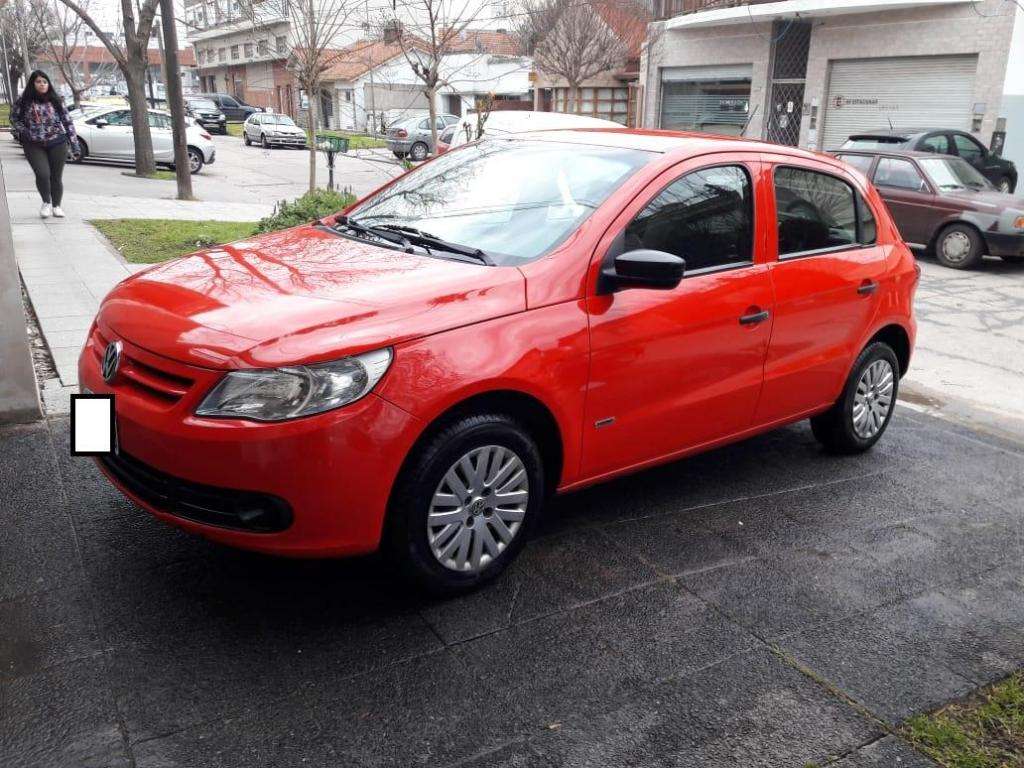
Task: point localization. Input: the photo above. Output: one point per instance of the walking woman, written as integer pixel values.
(45, 128)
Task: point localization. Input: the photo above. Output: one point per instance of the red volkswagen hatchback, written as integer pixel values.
(515, 318)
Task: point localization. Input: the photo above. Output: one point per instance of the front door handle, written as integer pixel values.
(754, 319)
(867, 288)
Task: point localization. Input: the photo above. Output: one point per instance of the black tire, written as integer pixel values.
(418, 152)
(835, 428)
(957, 239)
(407, 543)
(1005, 185)
(245, 139)
(1013, 259)
(399, 155)
(263, 141)
(195, 160)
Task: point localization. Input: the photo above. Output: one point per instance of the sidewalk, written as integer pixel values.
(68, 267)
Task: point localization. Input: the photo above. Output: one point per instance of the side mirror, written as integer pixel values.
(643, 269)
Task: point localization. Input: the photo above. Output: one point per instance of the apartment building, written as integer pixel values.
(812, 72)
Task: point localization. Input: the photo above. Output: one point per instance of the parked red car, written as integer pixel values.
(518, 317)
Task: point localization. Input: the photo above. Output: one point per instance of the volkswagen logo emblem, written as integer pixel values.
(111, 361)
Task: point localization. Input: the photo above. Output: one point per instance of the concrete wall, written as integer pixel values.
(19, 398)
(983, 29)
(733, 44)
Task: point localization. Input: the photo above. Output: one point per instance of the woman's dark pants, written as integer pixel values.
(48, 166)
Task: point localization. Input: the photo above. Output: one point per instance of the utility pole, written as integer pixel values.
(174, 100)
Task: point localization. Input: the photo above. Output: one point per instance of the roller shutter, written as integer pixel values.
(709, 98)
(912, 92)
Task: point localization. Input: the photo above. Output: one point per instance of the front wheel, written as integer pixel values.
(465, 502)
(195, 160)
(79, 155)
(1005, 185)
(860, 416)
(263, 141)
(959, 247)
(245, 138)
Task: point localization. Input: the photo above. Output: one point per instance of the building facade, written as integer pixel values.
(812, 72)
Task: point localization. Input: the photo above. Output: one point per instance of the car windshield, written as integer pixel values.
(872, 142)
(514, 200)
(202, 104)
(277, 120)
(953, 173)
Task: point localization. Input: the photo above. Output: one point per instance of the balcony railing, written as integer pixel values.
(664, 9)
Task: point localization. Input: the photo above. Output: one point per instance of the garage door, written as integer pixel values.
(714, 99)
(912, 92)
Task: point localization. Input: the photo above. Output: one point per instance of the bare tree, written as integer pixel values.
(318, 29)
(23, 39)
(569, 40)
(133, 60)
(64, 34)
(428, 31)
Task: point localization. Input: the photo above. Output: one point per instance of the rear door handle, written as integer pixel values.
(754, 319)
(867, 288)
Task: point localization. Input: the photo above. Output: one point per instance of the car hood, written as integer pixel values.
(302, 295)
(987, 197)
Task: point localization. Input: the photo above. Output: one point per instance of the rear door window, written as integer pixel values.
(899, 174)
(816, 211)
(968, 148)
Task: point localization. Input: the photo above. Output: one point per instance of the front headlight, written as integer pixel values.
(277, 394)
(1019, 223)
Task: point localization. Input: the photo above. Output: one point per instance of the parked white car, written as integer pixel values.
(108, 135)
(271, 129)
(498, 123)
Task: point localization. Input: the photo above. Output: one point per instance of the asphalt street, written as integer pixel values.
(761, 605)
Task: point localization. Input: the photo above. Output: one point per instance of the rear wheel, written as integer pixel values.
(959, 247)
(465, 502)
(418, 151)
(860, 416)
(399, 155)
(195, 160)
(245, 138)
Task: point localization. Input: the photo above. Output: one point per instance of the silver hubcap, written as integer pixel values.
(873, 400)
(193, 162)
(1004, 186)
(956, 246)
(478, 508)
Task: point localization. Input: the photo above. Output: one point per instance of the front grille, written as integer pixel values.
(222, 507)
(145, 378)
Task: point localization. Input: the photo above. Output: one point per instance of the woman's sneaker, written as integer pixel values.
(45, 211)
(58, 212)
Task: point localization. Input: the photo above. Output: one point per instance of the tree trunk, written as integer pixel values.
(172, 84)
(136, 78)
(431, 95)
(311, 100)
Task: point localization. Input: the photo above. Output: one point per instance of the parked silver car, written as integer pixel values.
(412, 137)
(270, 129)
(108, 135)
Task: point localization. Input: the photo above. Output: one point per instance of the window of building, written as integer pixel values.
(282, 44)
(815, 211)
(248, 50)
(234, 51)
(901, 174)
(705, 217)
(262, 47)
(606, 103)
(221, 54)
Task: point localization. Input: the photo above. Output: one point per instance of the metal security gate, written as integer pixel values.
(791, 43)
(909, 92)
(715, 99)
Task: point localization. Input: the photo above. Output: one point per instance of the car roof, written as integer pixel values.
(667, 141)
(894, 151)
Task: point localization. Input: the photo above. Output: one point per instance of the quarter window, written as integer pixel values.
(815, 211)
(705, 217)
(901, 174)
(861, 162)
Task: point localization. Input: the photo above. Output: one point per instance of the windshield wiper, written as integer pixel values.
(432, 241)
(378, 232)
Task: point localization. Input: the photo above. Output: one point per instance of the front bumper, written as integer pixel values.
(315, 487)
(1003, 244)
(287, 141)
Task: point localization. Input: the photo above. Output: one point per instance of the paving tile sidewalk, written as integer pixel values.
(68, 267)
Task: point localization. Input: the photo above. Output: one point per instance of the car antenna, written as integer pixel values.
(891, 126)
(749, 118)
